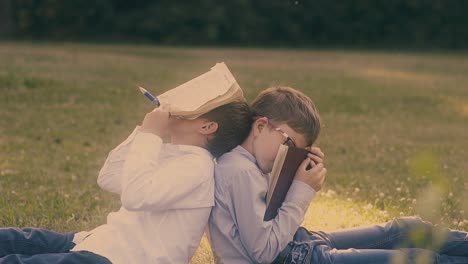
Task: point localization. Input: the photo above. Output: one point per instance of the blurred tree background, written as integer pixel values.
(366, 23)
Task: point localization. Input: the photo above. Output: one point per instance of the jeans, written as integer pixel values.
(40, 246)
(403, 240)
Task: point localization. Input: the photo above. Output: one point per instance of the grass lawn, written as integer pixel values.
(395, 134)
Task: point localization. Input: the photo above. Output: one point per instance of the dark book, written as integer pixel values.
(286, 163)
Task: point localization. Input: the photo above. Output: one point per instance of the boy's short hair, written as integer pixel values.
(234, 122)
(287, 105)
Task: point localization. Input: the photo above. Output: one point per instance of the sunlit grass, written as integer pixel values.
(326, 213)
(395, 134)
(458, 105)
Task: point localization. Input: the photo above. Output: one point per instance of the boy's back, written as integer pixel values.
(152, 225)
(230, 171)
(236, 228)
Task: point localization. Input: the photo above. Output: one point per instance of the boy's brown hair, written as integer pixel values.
(234, 122)
(287, 105)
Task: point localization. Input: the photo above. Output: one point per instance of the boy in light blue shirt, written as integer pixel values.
(238, 233)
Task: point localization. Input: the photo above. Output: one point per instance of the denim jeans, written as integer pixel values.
(40, 246)
(403, 240)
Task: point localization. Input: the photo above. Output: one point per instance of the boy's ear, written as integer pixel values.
(259, 124)
(208, 128)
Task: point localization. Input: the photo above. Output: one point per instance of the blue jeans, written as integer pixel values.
(40, 246)
(403, 240)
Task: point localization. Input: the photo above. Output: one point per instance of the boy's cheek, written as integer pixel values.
(266, 149)
(269, 159)
(175, 126)
(265, 165)
(274, 148)
(272, 156)
(173, 122)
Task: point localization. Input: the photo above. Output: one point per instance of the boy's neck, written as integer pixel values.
(248, 143)
(190, 141)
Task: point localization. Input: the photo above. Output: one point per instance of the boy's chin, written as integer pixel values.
(182, 140)
(265, 169)
(166, 138)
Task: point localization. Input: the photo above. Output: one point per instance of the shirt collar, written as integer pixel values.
(245, 153)
(193, 149)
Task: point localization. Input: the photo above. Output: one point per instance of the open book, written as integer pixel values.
(202, 94)
(286, 163)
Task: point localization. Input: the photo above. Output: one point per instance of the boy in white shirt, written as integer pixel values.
(166, 189)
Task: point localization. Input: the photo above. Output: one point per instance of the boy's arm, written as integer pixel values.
(109, 178)
(265, 240)
(148, 184)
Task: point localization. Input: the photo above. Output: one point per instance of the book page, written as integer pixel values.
(196, 92)
(277, 165)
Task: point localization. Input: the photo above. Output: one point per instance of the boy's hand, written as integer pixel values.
(318, 156)
(312, 171)
(156, 122)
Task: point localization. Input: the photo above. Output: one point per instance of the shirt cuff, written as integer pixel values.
(146, 141)
(145, 149)
(300, 194)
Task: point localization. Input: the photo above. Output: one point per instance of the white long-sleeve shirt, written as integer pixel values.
(167, 192)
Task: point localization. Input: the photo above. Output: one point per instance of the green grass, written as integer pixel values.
(395, 134)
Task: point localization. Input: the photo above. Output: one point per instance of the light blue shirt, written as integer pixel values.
(237, 232)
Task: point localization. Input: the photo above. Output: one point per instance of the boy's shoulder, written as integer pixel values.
(236, 162)
(195, 158)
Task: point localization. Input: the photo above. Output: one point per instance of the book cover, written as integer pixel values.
(202, 94)
(286, 163)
